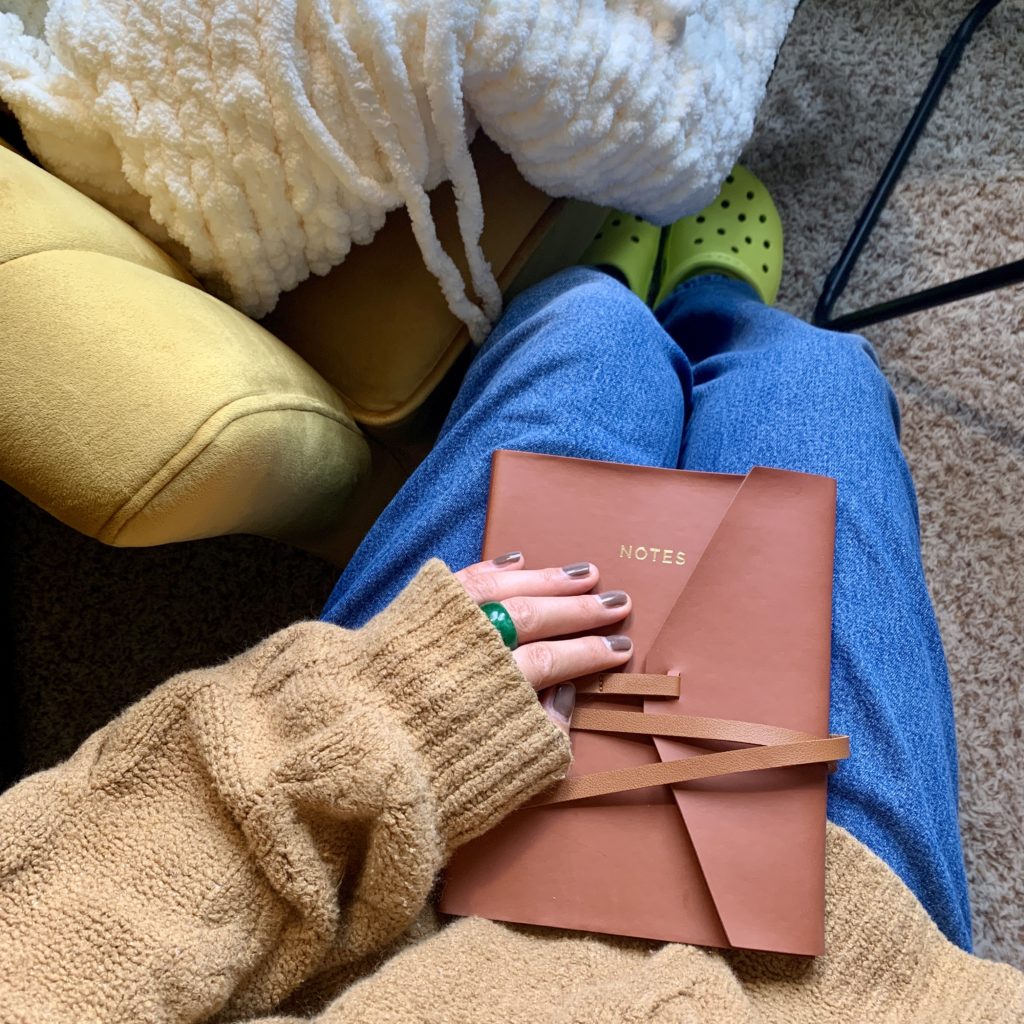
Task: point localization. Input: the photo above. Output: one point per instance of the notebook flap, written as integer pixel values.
(765, 575)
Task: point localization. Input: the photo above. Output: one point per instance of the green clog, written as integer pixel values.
(739, 235)
(627, 246)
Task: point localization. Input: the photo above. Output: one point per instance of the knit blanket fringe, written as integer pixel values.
(261, 139)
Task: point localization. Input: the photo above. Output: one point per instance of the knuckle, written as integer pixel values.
(524, 614)
(541, 661)
(482, 587)
(556, 577)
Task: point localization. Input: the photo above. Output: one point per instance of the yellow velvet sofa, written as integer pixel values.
(140, 410)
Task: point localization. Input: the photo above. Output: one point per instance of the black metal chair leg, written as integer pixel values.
(839, 275)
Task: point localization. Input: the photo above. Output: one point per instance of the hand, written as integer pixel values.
(547, 603)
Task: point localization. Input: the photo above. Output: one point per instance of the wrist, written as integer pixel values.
(486, 742)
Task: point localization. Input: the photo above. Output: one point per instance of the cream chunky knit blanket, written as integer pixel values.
(268, 136)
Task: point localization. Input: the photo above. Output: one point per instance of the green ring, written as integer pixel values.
(500, 619)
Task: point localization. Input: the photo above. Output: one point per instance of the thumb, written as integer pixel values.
(559, 702)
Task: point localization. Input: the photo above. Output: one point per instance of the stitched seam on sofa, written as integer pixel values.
(193, 283)
(208, 432)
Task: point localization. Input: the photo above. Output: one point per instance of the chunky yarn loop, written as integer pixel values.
(262, 138)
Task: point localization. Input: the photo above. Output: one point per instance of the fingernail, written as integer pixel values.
(564, 701)
(613, 598)
(577, 570)
(619, 643)
(506, 559)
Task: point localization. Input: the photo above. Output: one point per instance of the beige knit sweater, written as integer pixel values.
(263, 837)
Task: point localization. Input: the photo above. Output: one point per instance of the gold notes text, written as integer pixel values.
(663, 556)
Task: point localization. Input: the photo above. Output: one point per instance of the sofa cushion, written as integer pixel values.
(378, 327)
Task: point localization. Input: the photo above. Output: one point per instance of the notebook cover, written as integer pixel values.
(731, 581)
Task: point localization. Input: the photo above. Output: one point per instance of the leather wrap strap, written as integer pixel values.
(685, 727)
(705, 766)
(628, 684)
(771, 746)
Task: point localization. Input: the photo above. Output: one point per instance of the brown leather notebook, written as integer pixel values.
(695, 813)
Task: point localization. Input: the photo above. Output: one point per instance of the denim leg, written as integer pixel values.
(771, 390)
(577, 366)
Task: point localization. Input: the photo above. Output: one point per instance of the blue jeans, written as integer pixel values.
(717, 381)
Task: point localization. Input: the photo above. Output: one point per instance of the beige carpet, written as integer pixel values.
(847, 79)
(93, 627)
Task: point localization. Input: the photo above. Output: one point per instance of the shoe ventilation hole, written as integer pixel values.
(616, 222)
(721, 231)
(599, 235)
(742, 217)
(762, 218)
(730, 179)
(639, 220)
(735, 250)
(764, 267)
(750, 195)
(748, 240)
(634, 238)
(725, 204)
(700, 220)
(698, 241)
(767, 244)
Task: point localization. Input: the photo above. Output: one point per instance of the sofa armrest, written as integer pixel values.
(141, 410)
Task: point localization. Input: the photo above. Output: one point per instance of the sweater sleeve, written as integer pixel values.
(245, 827)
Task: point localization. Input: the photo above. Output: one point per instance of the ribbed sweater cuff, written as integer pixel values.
(477, 723)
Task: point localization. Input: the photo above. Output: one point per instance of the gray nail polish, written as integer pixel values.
(564, 701)
(613, 598)
(577, 570)
(619, 643)
(506, 559)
